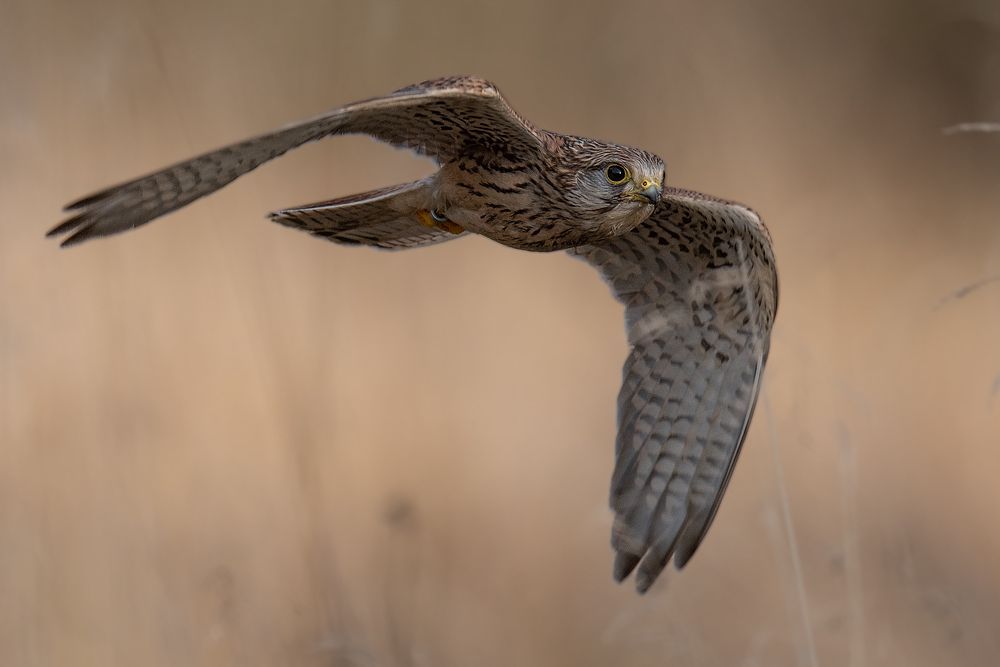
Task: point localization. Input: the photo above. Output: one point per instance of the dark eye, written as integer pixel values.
(616, 173)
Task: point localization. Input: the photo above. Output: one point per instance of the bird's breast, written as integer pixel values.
(511, 203)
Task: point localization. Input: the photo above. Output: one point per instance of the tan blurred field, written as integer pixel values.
(223, 442)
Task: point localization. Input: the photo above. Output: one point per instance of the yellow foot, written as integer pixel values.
(427, 220)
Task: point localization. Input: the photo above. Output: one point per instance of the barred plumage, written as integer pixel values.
(696, 274)
(699, 286)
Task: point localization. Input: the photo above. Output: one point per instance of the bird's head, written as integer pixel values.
(613, 186)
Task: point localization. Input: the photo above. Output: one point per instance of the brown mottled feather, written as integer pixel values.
(499, 177)
(700, 291)
(382, 218)
(439, 119)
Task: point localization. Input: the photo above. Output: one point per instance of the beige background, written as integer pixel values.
(223, 442)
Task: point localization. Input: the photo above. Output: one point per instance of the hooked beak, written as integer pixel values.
(648, 190)
(652, 193)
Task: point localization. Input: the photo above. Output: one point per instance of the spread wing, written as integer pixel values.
(700, 291)
(439, 119)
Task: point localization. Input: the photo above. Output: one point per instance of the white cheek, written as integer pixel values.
(588, 197)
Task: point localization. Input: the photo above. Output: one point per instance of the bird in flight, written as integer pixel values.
(695, 273)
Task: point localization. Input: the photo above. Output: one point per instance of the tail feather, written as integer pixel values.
(385, 218)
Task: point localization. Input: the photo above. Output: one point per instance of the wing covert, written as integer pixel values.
(700, 292)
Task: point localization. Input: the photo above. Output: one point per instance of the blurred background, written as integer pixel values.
(224, 442)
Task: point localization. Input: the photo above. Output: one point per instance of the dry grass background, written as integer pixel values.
(226, 443)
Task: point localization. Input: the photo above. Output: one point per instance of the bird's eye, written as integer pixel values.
(616, 173)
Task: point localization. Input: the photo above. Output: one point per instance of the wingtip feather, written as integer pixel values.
(624, 564)
(88, 200)
(66, 226)
(644, 579)
(79, 237)
(685, 550)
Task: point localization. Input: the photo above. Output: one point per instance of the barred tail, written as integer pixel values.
(389, 218)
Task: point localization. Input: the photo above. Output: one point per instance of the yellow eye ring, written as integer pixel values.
(617, 173)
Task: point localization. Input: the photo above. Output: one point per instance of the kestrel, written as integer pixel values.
(696, 274)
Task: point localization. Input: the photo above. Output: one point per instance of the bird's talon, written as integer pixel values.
(424, 216)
